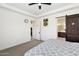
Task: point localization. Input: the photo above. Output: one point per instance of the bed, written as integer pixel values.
(54, 47)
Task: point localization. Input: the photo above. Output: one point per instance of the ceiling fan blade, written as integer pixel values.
(32, 3)
(39, 7)
(47, 3)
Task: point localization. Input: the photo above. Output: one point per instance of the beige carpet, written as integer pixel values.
(20, 49)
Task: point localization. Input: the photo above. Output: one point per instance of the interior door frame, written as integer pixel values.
(63, 33)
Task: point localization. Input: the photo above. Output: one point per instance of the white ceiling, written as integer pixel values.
(33, 9)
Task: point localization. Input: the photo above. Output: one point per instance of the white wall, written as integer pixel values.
(50, 32)
(47, 32)
(13, 30)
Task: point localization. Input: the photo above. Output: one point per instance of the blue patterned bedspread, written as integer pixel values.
(54, 47)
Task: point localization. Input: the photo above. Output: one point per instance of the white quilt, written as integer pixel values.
(54, 47)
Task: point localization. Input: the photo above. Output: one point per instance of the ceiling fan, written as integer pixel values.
(39, 4)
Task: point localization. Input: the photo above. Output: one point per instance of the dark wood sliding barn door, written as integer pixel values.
(72, 28)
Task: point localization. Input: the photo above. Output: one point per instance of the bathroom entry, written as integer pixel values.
(61, 26)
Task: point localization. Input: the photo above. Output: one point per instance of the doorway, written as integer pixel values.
(31, 32)
(61, 27)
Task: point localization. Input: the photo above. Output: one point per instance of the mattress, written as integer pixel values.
(54, 47)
